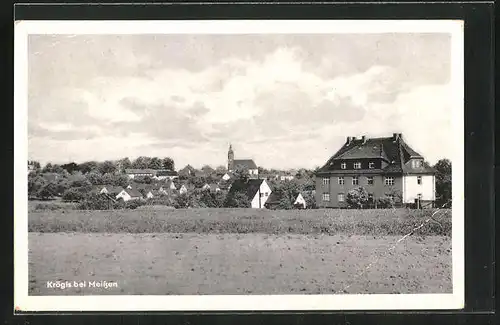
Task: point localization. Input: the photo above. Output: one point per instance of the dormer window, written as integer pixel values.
(416, 163)
(371, 165)
(343, 165)
(357, 165)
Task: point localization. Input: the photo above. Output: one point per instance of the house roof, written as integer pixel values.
(396, 152)
(250, 187)
(214, 187)
(140, 171)
(166, 173)
(112, 188)
(133, 192)
(244, 163)
(273, 198)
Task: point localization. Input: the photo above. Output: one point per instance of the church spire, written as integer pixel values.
(230, 158)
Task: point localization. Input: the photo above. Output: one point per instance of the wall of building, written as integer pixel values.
(378, 189)
(411, 188)
(266, 191)
(300, 200)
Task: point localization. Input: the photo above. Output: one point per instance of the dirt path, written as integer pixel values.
(161, 264)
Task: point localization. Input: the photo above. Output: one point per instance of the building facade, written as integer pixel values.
(384, 167)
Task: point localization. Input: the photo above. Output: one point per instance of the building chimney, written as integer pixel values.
(349, 140)
(395, 136)
(363, 139)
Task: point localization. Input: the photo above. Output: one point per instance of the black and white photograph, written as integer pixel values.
(239, 165)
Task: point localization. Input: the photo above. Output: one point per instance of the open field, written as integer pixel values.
(161, 264)
(351, 222)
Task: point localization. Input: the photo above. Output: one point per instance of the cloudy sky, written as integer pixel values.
(287, 101)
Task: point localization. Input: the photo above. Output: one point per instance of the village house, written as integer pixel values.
(386, 167)
(171, 185)
(257, 190)
(243, 164)
(211, 187)
(129, 194)
(185, 188)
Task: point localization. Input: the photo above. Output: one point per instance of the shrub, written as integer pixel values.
(73, 195)
(237, 199)
(134, 204)
(96, 202)
(357, 198)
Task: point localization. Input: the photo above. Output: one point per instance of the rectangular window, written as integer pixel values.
(343, 165)
(355, 180)
(357, 165)
(326, 196)
(341, 180)
(340, 197)
(261, 194)
(390, 196)
(419, 180)
(371, 165)
(369, 180)
(326, 181)
(389, 181)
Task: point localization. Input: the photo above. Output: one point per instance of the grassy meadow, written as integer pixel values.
(240, 251)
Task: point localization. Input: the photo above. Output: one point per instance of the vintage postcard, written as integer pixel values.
(239, 165)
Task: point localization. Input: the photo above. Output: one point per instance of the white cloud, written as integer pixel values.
(192, 115)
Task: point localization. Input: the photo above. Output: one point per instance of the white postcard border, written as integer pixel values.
(24, 302)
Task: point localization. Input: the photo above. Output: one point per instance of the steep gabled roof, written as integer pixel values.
(393, 150)
(133, 192)
(250, 187)
(244, 163)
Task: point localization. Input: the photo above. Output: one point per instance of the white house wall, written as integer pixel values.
(124, 195)
(411, 188)
(264, 188)
(300, 200)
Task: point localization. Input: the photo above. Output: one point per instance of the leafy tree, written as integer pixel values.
(241, 174)
(182, 201)
(197, 181)
(443, 182)
(95, 201)
(141, 162)
(47, 168)
(207, 170)
(237, 199)
(70, 167)
(82, 184)
(88, 166)
(120, 180)
(107, 167)
(221, 170)
(168, 163)
(47, 191)
(211, 199)
(155, 163)
(123, 164)
(357, 198)
(35, 183)
(73, 195)
(94, 178)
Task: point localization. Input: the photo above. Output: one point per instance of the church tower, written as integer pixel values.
(230, 158)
